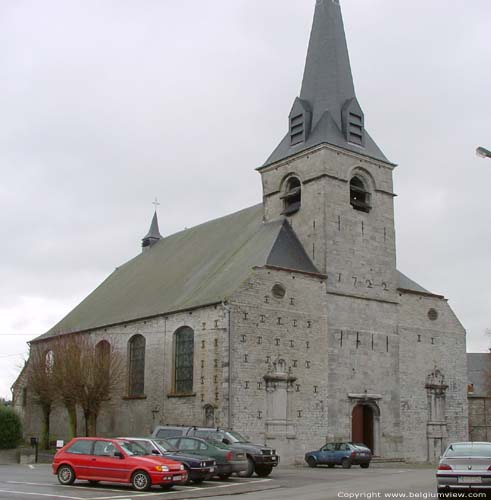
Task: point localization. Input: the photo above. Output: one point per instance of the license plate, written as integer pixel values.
(177, 478)
(212, 469)
(469, 480)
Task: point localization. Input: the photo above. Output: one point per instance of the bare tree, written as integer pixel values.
(100, 373)
(41, 381)
(68, 374)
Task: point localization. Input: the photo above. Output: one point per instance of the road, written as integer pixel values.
(22, 482)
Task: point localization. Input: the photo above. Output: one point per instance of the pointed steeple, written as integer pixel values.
(327, 80)
(327, 110)
(153, 234)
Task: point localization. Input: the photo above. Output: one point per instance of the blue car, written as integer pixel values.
(344, 454)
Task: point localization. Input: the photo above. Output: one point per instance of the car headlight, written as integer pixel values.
(182, 467)
(162, 468)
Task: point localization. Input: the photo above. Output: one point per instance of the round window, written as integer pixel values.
(433, 314)
(278, 291)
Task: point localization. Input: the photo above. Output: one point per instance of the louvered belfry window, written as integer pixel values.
(359, 195)
(184, 361)
(355, 128)
(292, 198)
(137, 366)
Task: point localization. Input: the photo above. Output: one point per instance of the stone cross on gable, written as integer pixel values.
(156, 203)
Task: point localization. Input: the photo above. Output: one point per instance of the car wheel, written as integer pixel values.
(250, 469)
(364, 466)
(140, 481)
(224, 476)
(311, 462)
(346, 464)
(65, 474)
(264, 470)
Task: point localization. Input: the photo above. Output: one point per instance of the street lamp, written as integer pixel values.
(483, 152)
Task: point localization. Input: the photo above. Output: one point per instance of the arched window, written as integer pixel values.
(292, 198)
(136, 372)
(103, 357)
(184, 360)
(49, 362)
(359, 195)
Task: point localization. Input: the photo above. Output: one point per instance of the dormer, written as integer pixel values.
(300, 120)
(353, 122)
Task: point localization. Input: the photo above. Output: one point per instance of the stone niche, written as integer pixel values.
(436, 429)
(279, 386)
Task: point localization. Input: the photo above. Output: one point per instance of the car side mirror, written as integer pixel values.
(225, 441)
(118, 454)
(155, 452)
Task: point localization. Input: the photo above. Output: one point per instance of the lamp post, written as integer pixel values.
(483, 152)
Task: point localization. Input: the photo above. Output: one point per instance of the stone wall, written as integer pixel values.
(427, 346)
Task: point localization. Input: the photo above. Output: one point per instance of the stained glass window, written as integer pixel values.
(184, 361)
(137, 366)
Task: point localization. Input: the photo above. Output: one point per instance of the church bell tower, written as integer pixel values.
(329, 178)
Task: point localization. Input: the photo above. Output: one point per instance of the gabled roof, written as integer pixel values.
(408, 284)
(199, 266)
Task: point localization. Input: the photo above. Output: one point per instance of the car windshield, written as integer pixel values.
(468, 450)
(165, 446)
(132, 449)
(237, 437)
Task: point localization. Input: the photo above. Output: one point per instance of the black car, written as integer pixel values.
(200, 468)
(260, 459)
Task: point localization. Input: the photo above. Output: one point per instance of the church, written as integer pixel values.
(289, 320)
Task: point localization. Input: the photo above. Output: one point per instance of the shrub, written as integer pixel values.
(10, 428)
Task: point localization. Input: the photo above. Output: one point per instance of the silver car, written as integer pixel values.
(465, 466)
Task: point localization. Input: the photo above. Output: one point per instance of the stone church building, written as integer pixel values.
(287, 321)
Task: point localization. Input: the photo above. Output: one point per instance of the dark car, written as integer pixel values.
(115, 461)
(464, 467)
(344, 454)
(260, 459)
(199, 468)
(228, 461)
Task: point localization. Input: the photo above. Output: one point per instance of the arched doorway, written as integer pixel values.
(362, 425)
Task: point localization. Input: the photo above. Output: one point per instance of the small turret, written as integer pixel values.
(153, 235)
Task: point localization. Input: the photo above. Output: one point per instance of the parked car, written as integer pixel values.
(228, 460)
(260, 459)
(344, 454)
(464, 466)
(115, 461)
(199, 468)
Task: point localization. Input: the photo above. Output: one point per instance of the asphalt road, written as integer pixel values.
(22, 482)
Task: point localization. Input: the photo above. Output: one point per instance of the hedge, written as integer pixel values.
(10, 428)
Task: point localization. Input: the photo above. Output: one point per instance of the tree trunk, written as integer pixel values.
(45, 428)
(72, 419)
(92, 424)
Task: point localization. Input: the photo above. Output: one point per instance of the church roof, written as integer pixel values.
(327, 88)
(195, 267)
(408, 284)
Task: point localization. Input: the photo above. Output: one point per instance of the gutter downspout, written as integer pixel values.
(229, 409)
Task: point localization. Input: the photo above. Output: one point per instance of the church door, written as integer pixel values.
(362, 425)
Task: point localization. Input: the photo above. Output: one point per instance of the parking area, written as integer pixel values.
(23, 482)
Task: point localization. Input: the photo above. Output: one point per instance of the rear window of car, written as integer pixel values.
(80, 448)
(468, 450)
(165, 433)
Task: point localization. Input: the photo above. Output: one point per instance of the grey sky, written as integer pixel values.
(107, 104)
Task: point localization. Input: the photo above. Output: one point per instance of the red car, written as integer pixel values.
(115, 461)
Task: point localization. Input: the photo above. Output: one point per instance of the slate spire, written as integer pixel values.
(327, 110)
(153, 234)
(327, 80)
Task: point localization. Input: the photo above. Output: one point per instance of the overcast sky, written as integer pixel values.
(106, 104)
